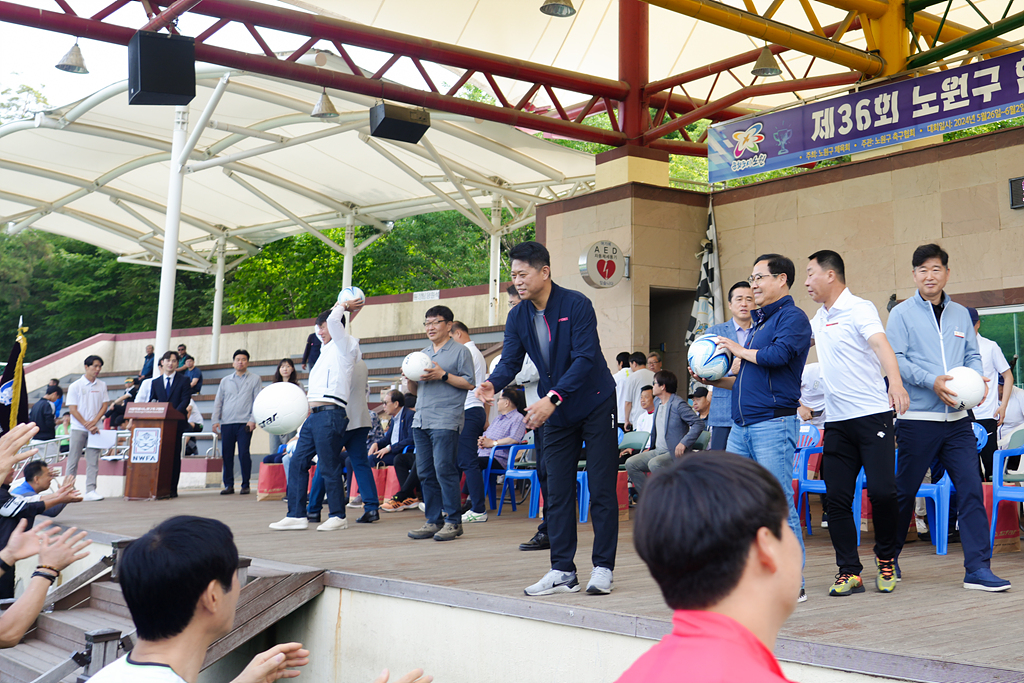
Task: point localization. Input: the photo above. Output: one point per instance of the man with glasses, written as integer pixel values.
(766, 389)
(440, 414)
(930, 334)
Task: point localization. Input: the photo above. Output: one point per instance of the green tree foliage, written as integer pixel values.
(301, 276)
(68, 290)
(19, 102)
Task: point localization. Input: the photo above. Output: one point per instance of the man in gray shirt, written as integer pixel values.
(440, 405)
(232, 418)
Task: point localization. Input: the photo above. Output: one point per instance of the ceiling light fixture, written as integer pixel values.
(766, 64)
(558, 8)
(73, 62)
(324, 108)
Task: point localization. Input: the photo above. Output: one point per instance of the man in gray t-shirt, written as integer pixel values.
(440, 404)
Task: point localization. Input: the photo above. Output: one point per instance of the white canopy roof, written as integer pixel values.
(98, 170)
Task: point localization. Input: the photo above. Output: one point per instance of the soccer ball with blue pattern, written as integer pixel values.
(351, 294)
(706, 361)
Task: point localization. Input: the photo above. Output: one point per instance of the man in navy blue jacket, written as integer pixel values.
(399, 434)
(557, 328)
(766, 390)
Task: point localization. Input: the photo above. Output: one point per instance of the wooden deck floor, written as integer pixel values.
(930, 615)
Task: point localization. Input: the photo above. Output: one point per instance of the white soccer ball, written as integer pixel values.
(968, 386)
(494, 363)
(280, 408)
(415, 364)
(706, 361)
(351, 294)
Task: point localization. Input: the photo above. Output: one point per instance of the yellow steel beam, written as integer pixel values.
(813, 18)
(874, 9)
(775, 32)
(891, 36)
(772, 9)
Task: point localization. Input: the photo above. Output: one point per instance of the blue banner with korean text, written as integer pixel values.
(890, 114)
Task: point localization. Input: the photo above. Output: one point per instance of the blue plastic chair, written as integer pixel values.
(810, 437)
(491, 473)
(512, 474)
(937, 504)
(1000, 491)
(980, 434)
(806, 486)
(583, 495)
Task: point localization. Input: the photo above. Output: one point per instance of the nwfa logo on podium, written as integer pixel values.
(145, 445)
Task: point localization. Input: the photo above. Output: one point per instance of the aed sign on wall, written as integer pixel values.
(602, 264)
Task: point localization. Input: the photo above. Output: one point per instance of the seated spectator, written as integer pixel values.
(38, 478)
(193, 424)
(182, 357)
(701, 402)
(399, 433)
(63, 429)
(644, 423)
(59, 403)
(712, 530)
(507, 430)
(195, 375)
(199, 558)
(1013, 416)
(44, 413)
(676, 428)
(115, 411)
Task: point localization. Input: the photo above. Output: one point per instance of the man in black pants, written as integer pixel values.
(853, 351)
(558, 329)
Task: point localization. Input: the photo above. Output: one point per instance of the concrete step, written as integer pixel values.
(31, 658)
(107, 596)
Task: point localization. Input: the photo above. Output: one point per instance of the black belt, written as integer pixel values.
(784, 412)
(320, 409)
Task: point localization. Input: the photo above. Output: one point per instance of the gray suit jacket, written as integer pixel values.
(683, 424)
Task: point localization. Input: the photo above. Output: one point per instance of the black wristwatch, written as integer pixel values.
(554, 398)
(444, 378)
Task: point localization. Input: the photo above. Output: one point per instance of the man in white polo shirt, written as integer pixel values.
(87, 401)
(853, 351)
(991, 412)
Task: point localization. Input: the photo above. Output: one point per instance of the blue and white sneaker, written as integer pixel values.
(984, 580)
(555, 582)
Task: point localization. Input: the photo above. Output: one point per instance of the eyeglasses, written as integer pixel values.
(755, 279)
(433, 323)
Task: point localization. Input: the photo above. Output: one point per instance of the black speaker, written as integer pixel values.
(392, 122)
(161, 68)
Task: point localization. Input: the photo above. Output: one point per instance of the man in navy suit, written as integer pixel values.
(557, 328)
(171, 386)
(399, 434)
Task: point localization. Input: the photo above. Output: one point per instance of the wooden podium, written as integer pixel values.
(151, 455)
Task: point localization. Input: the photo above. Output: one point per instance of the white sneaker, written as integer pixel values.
(600, 581)
(554, 582)
(922, 526)
(92, 496)
(422, 506)
(291, 523)
(333, 524)
(355, 502)
(469, 517)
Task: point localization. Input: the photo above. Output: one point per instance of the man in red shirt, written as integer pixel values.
(712, 530)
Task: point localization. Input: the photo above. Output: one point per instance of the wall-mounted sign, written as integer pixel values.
(602, 264)
(1017, 193)
(984, 92)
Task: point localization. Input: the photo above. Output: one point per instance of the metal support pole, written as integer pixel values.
(350, 252)
(495, 276)
(175, 182)
(633, 63)
(218, 302)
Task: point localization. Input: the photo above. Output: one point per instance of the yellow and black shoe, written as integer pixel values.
(846, 584)
(886, 579)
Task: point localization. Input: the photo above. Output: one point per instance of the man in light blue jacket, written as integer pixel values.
(741, 303)
(931, 334)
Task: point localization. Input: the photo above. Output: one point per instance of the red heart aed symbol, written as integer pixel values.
(606, 268)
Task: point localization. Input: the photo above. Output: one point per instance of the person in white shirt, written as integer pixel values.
(991, 412)
(640, 376)
(87, 401)
(644, 423)
(853, 351)
(1013, 419)
(812, 396)
(472, 430)
(620, 377)
(323, 432)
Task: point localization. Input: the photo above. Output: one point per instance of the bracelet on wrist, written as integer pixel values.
(49, 577)
(4, 567)
(46, 566)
